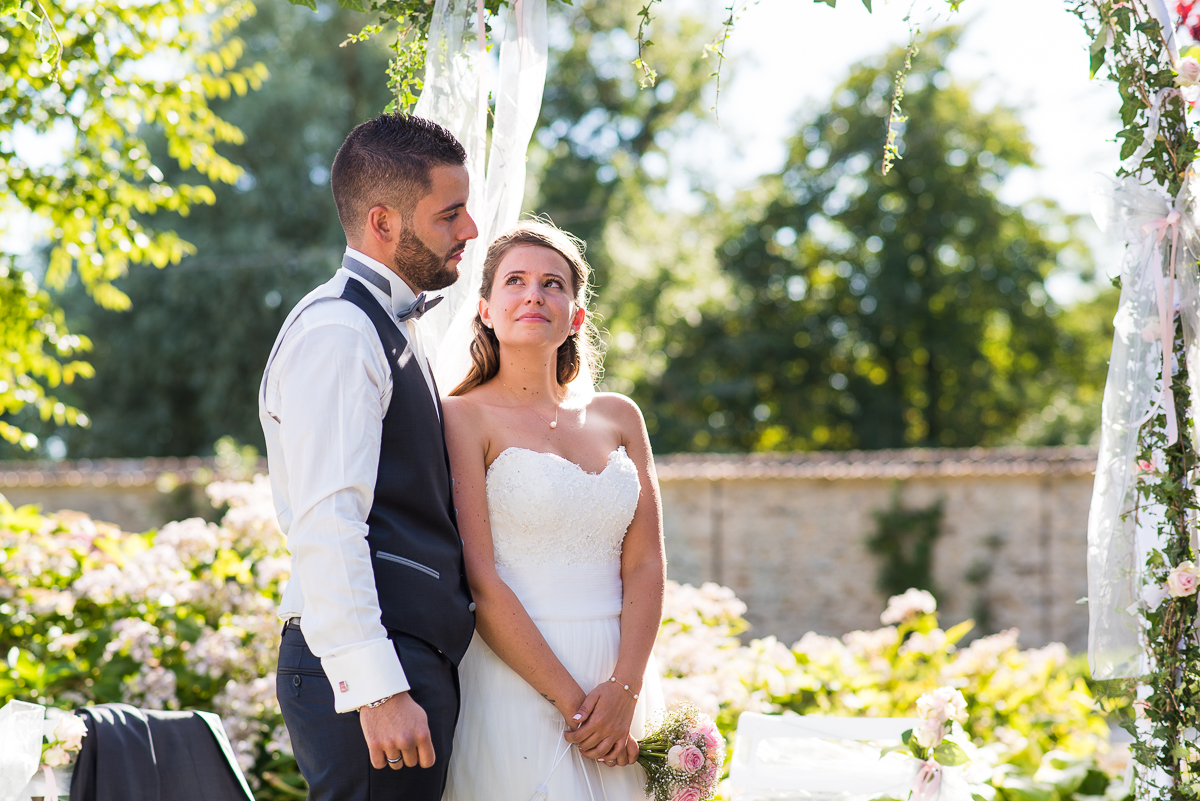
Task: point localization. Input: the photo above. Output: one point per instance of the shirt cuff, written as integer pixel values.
(364, 675)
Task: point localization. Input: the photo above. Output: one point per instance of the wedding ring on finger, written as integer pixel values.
(395, 761)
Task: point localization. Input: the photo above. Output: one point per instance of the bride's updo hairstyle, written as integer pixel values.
(575, 355)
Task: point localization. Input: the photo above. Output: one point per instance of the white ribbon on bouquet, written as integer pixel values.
(456, 96)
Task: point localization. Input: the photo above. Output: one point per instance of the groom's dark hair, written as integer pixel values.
(386, 162)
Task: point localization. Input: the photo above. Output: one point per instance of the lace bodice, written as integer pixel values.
(547, 510)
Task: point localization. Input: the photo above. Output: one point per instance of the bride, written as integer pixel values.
(558, 508)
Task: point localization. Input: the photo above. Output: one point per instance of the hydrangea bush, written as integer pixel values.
(180, 618)
(184, 617)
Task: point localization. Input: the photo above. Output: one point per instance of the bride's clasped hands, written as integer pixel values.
(603, 730)
(559, 512)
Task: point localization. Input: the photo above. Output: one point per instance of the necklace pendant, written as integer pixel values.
(554, 424)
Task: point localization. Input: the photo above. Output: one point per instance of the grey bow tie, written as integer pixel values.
(414, 312)
(418, 308)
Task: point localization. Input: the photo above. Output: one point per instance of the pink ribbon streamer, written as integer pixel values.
(1164, 288)
(51, 783)
(928, 781)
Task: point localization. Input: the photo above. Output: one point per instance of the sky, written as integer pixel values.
(788, 55)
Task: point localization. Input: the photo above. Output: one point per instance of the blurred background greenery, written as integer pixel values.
(823, 307)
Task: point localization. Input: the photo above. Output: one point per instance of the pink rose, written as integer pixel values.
(711, 735)
(1189, 71)
(943, 704)
(70, 730)
(691, 759)
(56, 757)
(1182, 580)
(1145, 466)
(686, 794)
(929, 733)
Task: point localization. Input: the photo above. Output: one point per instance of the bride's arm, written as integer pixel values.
(500, 618)
(643, 574)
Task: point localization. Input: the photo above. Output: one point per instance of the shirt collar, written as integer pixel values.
(401, 295)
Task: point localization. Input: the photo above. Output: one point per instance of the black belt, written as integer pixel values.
(292, 623)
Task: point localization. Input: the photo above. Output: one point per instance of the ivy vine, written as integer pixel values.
(904, 541)
(1128, 43)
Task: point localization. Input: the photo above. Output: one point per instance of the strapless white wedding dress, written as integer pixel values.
(557, 531)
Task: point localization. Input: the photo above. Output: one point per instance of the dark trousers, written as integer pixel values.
(330, 748)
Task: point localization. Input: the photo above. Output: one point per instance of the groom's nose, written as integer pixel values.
(468, 230)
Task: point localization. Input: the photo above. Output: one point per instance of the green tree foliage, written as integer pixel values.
(101, 76)
(601, 159)
(183, 368)
(875, 311)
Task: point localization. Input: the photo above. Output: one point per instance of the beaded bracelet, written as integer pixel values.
(613, 679)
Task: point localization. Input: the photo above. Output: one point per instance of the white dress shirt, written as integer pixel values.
(324, 394)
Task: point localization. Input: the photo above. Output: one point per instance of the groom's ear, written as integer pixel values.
(383, 224)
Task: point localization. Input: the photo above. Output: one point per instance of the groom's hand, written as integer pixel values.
(397, 730)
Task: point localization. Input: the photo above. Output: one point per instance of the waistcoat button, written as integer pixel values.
(471, 607)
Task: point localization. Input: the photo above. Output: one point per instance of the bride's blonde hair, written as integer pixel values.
(577, 354)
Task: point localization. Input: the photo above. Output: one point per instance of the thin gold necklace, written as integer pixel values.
(552, 425)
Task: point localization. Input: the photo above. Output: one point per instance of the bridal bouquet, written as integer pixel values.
(683, 756)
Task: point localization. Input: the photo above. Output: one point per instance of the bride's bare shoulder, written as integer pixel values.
(618, 408)
(465, 411)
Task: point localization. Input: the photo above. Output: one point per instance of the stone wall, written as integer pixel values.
(786, 532)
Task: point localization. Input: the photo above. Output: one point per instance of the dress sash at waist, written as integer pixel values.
(566, 592)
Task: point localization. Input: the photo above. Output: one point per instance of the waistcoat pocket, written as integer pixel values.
(400, 560)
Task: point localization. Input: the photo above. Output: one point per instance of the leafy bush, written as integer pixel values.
(1039, 732)
(179, 618)
(185, 618)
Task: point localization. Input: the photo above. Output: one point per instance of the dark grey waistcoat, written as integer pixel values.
(412, 530)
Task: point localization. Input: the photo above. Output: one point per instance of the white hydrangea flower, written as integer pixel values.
(194, 540)
(136, 637)
(932, 643)
(152, 687)
(911, 604)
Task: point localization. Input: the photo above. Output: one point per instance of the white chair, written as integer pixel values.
(809, 758)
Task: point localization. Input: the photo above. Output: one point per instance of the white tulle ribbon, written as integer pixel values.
(1158, 9)
(1142, 215)
(456, 96)
(1164, 292)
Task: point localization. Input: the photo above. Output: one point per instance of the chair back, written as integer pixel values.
(812, 758)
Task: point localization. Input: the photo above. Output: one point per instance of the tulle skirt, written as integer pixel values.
(508, 737)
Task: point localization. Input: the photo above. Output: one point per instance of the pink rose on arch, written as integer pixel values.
(691, 759)
(686, 794)
(1183, 579)
(1189, 71)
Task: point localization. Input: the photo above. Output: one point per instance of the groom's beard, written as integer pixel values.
(425, 270)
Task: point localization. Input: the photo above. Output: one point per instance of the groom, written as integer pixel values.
(378, 612)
